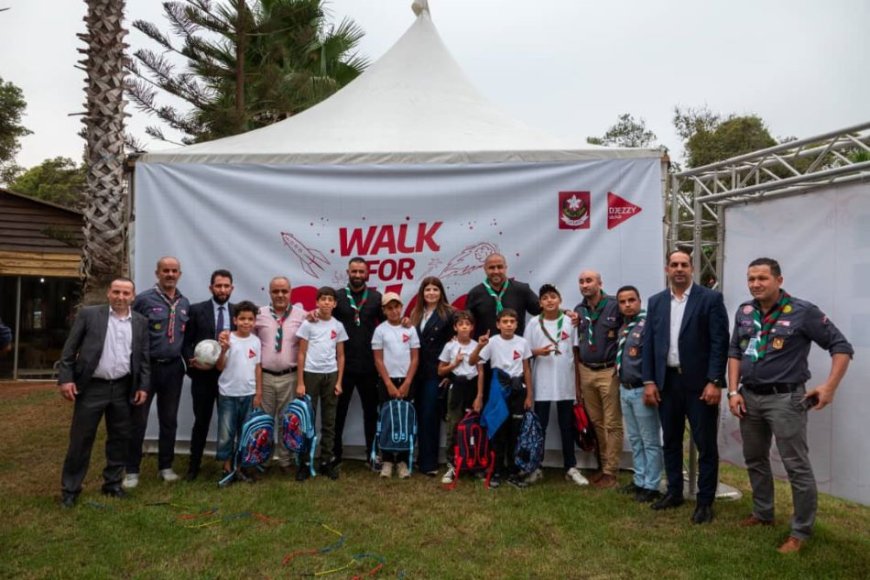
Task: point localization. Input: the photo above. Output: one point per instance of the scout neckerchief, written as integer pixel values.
(357, 307)
(171, 303)
(592, 317)
(764, 325)
(623, 337)
(279, 334)
(555, 341)
(498, 305)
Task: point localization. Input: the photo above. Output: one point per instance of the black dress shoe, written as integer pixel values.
(191, 475)
(647, 495)
(115, 492)
(703, 514)
(68, 500)
(302, 472)
(668, 501)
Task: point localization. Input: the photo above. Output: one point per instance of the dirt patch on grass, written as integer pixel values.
(17, 389)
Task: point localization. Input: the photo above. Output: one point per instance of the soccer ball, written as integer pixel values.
(207, 352)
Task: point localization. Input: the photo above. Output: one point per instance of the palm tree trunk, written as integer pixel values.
(106, 211)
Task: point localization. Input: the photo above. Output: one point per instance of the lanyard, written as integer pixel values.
(764, 325)
(559, 323)
(357, 307)
(279, 334)
(498, 305)
(623, 337)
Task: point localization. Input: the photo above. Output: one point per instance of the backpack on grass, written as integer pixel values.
(472, 451)
(299, 430)
(529, 453)
(256, 443)
(397, 429)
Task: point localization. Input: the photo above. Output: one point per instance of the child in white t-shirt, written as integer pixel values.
(240, 385)
(551, 336)
(508, 355)
(396, 350)
(466, 384)
(320, 368)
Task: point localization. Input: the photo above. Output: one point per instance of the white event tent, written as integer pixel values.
(411, 168)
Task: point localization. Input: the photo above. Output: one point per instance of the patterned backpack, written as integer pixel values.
(256, 443)
(472, 451)
(300, 433)
(397, 429)
(529, 453)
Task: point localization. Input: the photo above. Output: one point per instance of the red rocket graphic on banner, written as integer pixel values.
(619, 210)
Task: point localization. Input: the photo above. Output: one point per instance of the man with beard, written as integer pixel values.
(167, 311)
(359, 310)
(207, 320)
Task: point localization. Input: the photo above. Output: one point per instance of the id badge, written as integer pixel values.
(751, 348)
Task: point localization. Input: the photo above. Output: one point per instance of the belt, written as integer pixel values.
(773, 388)
(280, 373)
(164, 361)
(123, 379)
(599, 366)
(678, 370)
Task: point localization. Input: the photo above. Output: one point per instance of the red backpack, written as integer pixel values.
(584, 432)
(472, 451)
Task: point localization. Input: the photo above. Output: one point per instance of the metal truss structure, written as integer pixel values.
(695, 200)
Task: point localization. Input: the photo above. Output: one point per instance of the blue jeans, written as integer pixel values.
(232, 412)
(643, 427)
(565, 416)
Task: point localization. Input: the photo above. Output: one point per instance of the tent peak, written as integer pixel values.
(421, 6)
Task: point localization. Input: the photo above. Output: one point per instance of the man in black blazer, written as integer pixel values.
(685, 351)
(103, 369)
(207, 320)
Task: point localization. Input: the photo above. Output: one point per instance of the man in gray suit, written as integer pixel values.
(103, 369)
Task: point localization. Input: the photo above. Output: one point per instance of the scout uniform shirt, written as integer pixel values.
(630, 359)
(782, 356)
(167, 320)
(597, 331)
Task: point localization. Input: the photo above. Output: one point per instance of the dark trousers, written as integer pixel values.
(111, 398)
(681, 401)
(204, 392)
(565, 417)
(505, 440)
(166, 380)
(428, 423)
(364, 383)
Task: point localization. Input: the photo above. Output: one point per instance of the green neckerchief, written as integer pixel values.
(764, 325)
(559, 322)
(623, 337)
(279, 334)
(498, 305)
(592, 317)
(357, 307)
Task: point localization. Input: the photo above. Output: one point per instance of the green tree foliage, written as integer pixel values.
(247, 64)
(708, 137)
(627, 132)
(12, 105)
(57, 180)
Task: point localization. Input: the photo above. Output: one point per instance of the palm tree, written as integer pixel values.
(247, 64)
(106, 210)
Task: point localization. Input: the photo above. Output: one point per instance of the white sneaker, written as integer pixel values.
(387, 470)
(449, 476)
(574, 475)
(404, 472)
(167, 475)
(131, 480)
(535, 476)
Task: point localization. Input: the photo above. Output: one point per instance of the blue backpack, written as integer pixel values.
(300, 433)
(529, 453)
(256, 443)
(397, 429)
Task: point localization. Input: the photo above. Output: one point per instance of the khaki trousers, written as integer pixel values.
(601, 393)
(277, 392)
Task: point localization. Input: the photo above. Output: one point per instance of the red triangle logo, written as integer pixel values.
(619, 210)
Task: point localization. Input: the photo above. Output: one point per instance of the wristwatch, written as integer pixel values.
(733, 393)
(716, 383)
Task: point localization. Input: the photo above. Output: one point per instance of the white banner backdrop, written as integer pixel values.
(822, 242)
(305, 222)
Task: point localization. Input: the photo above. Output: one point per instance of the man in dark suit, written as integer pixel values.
(684, 355)
(207, 320)
(103, 369)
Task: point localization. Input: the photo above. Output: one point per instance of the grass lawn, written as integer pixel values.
(278, 528)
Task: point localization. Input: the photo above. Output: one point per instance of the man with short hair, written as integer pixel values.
(207, 320)
(103, 369)
(685, 349)
(497, 292)
(768, 371)
(276, 327)
(359, 310)
(167, 311)
(599, 322)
